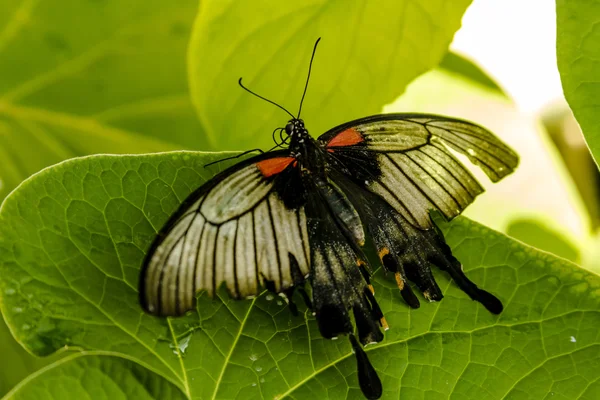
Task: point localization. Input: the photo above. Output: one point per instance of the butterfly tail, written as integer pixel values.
(369, 381)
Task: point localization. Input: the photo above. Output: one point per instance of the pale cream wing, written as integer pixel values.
(234, 231)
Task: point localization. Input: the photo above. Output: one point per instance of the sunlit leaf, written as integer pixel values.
(578, 54)
(368, 54)
(543, 237)
(460, 65)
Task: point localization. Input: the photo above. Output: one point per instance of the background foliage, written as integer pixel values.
(134, 76)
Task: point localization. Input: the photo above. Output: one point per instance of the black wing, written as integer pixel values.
(404, 158)
(342, 296)
(395, 168)
(234, 229)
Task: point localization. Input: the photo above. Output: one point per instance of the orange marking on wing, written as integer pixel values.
(273, 166)
(348, 137)
(399, 280)
(384, 324)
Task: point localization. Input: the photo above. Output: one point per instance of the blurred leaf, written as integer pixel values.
(72, 239)
(566, 136)
(92, 77)
(96, 376)
(17, 363)
(578, 55)
(457, 64)
(370, 51)
(532, 232)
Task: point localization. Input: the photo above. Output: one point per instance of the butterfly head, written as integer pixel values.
(295, 128)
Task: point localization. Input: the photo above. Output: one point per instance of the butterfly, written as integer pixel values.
(308, 212)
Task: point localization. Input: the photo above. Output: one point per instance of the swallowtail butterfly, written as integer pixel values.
(305, 213)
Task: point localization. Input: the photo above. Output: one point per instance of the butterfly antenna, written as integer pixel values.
(308, 77)
(264, 98)
(234, 157)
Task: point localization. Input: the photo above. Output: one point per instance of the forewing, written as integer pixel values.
(405, 159)
(236, 230)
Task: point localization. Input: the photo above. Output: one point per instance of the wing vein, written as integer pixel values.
(456, 202)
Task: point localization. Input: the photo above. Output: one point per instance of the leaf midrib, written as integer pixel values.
(232, 349)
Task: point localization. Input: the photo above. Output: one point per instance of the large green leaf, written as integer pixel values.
(370, 51)
(73, 238)
(578, 53)
(95, 376)
(87, 77)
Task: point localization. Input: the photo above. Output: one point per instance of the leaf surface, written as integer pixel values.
(466, 68)
(95, 376)
(92, 77)
(578, 56)
(368, 54)
(72, 239)
(20, 361)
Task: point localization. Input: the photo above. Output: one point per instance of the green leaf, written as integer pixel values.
(17, 363)
(368, 54)
(72, 239)
(92, 77)
(578, 55)
(461, 65)
(536, 233)
(95, 376)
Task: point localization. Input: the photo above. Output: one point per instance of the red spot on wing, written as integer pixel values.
(348, 137)
(273, 166)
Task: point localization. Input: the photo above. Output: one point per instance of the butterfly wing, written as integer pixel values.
(236, 230)
(404, 158)
(396, 168)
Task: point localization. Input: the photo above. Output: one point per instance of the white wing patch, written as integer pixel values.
(238, 233)
(235, 195)
(427, 178)
(394, 135)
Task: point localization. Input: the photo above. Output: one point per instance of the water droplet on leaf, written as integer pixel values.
(182, 345)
